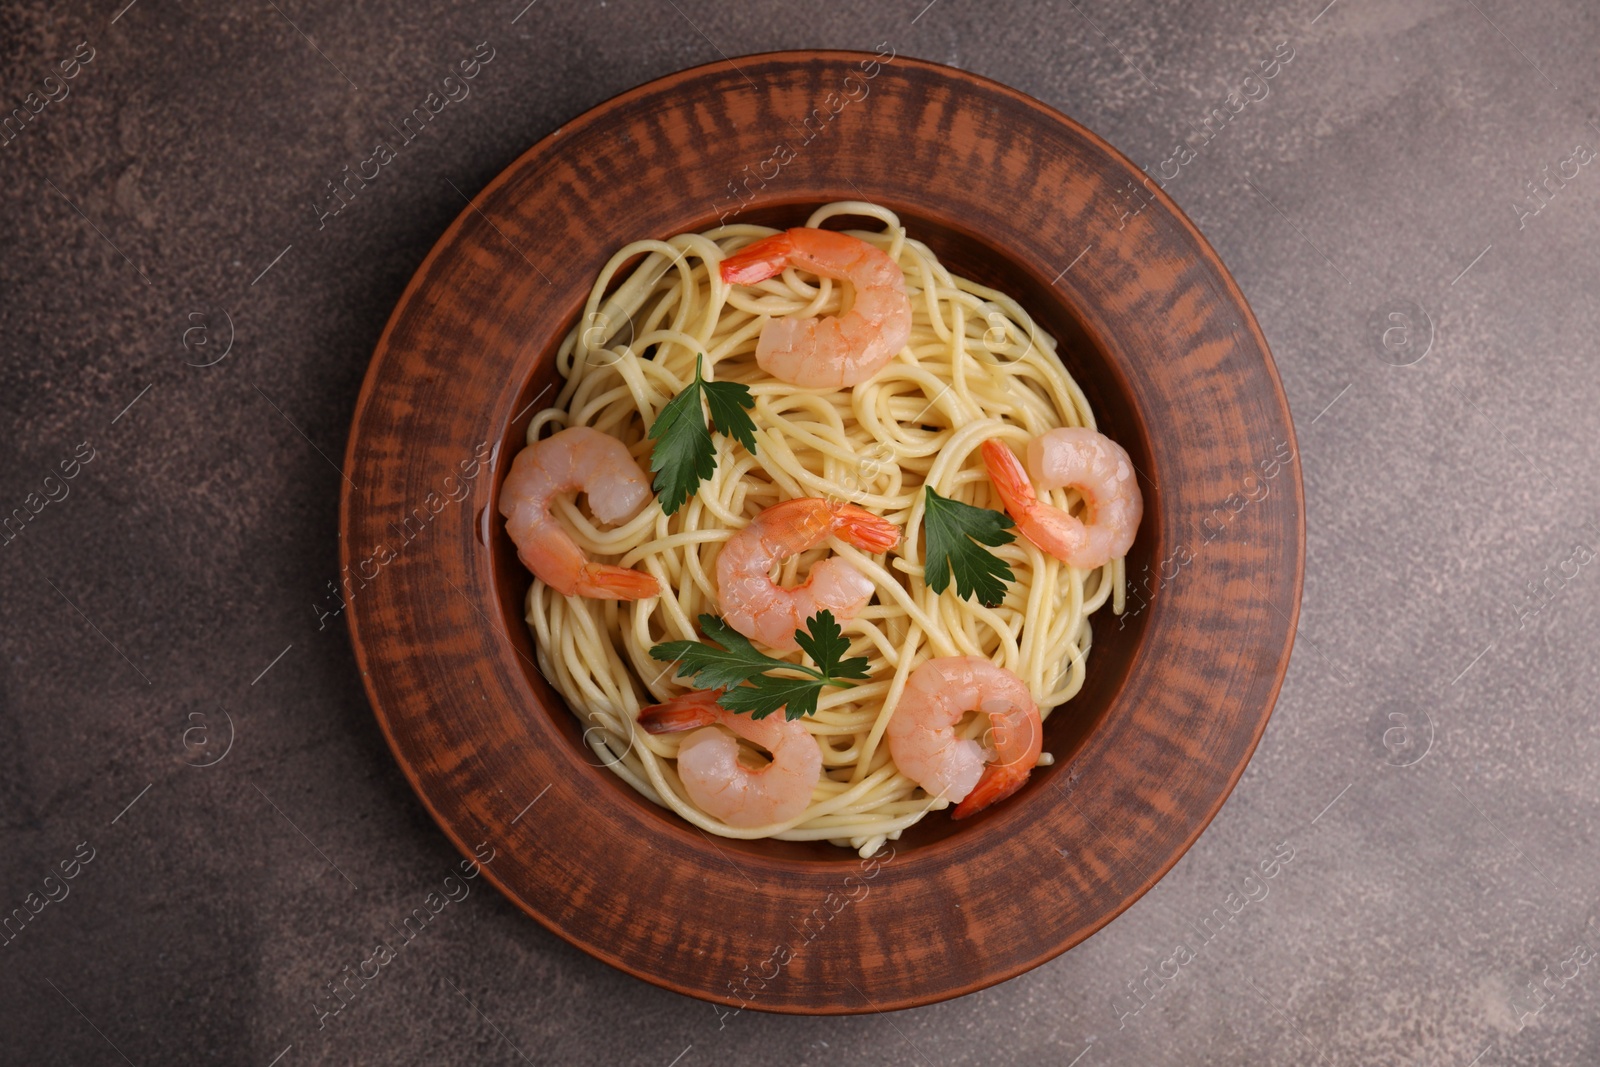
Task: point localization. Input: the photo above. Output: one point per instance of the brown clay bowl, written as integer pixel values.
(1006, 191)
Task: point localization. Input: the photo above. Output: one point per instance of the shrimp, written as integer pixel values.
(831, 353)
(759, 608)
(1094, 465)
(708, 760)
(922, 738)
(584, 459)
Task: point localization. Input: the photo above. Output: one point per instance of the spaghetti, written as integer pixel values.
(975, 368)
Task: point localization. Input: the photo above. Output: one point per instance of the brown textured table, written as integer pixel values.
(1424, 798)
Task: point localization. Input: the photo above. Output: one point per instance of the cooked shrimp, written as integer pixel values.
(923, 743)
(829, 353)
(763, 610)
(1094, 465)
(584, 459)
(708, 760)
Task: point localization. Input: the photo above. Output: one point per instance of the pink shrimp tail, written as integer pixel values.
(604, 582)
(1051, 529)
(760, 261)
(999, 781)
(1010, 479)
(864, 530)
(683, 712)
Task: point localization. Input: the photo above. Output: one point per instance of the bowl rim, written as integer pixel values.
(675, 80)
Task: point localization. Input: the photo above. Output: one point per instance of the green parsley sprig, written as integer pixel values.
(747, 673)
(683, 455)
(956, 535)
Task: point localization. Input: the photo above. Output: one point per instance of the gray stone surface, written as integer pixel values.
(1431, 759)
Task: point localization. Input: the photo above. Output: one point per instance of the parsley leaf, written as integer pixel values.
(745, 672)
(728, 402)
(683, 455)
(712, 667)
(956, 533)
(826, 643)
(797, 696)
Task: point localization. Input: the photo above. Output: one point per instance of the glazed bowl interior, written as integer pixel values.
(1116, 641)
